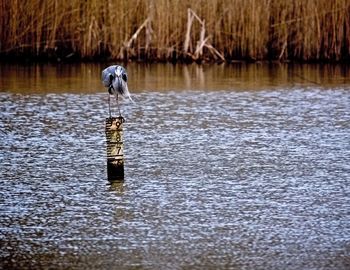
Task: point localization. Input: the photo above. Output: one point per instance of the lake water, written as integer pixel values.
(226, 167)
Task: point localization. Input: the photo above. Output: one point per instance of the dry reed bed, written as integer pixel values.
(178, 29)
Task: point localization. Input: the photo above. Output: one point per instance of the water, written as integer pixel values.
(226, 167)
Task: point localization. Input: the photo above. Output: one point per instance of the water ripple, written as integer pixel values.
(248, 180)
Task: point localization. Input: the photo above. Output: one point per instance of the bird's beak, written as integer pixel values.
(118, 72)
(119, 81)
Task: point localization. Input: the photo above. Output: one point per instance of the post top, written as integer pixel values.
(120, 119)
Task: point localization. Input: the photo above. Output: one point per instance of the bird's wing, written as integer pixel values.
(106, 75)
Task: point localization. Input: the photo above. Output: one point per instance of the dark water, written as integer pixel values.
(227, 167)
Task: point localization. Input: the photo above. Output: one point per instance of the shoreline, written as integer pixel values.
(74, 58)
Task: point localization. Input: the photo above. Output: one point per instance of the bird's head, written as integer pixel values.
(120, 80)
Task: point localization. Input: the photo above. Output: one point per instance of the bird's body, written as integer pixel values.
(115, 79)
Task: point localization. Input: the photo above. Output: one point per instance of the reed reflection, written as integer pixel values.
(85, 78)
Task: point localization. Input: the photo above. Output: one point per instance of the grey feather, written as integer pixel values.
(115, 78)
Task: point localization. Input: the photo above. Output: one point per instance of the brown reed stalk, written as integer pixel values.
(176, 29)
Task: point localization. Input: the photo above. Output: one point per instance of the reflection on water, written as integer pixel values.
(117, 187)
(254, 176)
(85, 78)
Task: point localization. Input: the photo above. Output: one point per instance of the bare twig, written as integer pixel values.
(215, 51)
(202, 42)
(190, 18)
(134, 36)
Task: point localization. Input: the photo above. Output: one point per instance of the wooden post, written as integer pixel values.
(114, 139)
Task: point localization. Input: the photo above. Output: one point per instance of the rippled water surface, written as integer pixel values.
(226, 167)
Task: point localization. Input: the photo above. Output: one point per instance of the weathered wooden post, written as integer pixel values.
(115, 157)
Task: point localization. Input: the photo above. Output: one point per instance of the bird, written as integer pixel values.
(115, 78)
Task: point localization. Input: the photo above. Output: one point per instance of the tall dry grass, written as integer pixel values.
(177, 29)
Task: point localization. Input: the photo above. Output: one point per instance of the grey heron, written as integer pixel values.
(115, 79)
